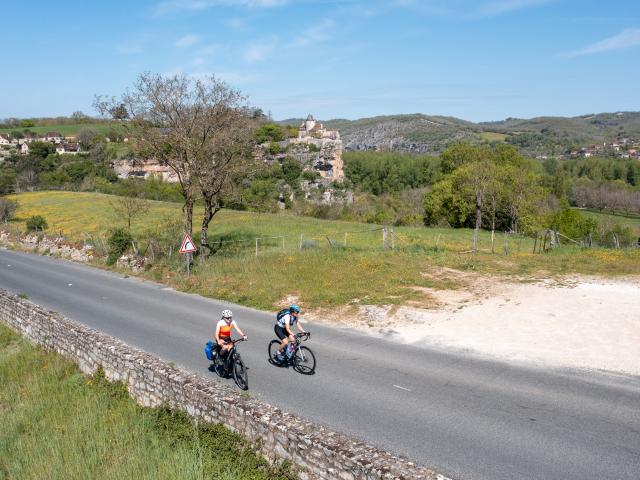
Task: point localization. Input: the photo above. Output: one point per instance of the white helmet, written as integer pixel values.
(227, 314)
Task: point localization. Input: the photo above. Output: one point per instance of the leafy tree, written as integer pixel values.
(119, 111)
(41, 149)
(87, 137)
(36, 223)
(7, 209)
(119, 242)
(292, 170)
(27, 123)
(79, 116)
(262, 195)
(7, 180)
(572, 223)
(274, 148)
(269, 132)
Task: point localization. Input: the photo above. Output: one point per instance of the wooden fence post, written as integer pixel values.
(384, 238)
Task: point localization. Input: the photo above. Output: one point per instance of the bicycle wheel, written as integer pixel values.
(218, 364)
(304, 361)
(240, 373)
(273, 349)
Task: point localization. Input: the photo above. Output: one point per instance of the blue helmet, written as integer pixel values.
(294, 308)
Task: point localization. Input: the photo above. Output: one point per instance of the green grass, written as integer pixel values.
(630, 220)
(328, 275)
(59, 424)
(493, 136)
(66, 129)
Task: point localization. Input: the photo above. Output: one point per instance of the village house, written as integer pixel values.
(24, 148)
(67, 148)
(53, 137)
(5, 140)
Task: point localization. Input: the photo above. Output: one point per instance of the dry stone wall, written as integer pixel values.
(318, 452)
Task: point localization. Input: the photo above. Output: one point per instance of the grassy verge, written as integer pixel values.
(328, 274)
(59, 424)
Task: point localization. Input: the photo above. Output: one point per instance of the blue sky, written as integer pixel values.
(477, 60)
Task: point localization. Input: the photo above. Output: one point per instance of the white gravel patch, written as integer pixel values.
(584, 323)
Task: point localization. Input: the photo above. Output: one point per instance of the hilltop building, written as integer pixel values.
(311, 128)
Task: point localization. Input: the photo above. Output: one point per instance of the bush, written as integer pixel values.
(274, 148)
(7, 209)
(119, 242)
(37, 223)
(572, 223)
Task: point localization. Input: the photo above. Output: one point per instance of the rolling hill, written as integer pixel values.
(535, 136)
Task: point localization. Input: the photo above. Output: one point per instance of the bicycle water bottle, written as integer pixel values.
(289, 350)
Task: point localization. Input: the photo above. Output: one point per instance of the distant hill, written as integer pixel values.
(535, 136)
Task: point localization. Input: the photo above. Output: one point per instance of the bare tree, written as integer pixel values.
(129, 207)
(197, 127)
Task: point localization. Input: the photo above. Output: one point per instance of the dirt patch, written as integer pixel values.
(576, 322)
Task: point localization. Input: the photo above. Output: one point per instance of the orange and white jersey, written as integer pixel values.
(225, 328)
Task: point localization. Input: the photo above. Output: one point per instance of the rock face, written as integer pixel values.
(45, 246)
(143, 169)
(316, 148)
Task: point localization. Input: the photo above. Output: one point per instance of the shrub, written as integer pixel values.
(7, 209)
(274, 148)
(37, 223)
(269, 132)
(119, 242)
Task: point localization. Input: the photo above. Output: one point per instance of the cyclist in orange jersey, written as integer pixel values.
(223, 332)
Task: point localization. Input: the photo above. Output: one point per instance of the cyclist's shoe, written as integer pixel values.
(278, 357)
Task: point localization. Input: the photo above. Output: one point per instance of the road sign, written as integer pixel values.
(187, 244)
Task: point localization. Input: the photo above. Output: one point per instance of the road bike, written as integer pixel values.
(233, 364)
(300, 357)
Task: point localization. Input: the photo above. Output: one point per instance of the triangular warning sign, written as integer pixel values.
(187, 244)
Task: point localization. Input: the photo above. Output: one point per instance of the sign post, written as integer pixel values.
(188, 247)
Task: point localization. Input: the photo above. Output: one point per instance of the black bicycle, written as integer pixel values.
(301, 357)
(232, 363)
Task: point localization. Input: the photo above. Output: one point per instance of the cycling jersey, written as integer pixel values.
(225, 328)
(287, 319)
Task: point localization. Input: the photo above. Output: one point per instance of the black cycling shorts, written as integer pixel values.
(281, 333)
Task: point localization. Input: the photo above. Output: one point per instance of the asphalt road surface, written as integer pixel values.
(464, 416)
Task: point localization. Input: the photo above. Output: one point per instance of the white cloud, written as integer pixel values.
(256, 52)
(315, 34)
(171, 6)
(626, 39)
(187, 41)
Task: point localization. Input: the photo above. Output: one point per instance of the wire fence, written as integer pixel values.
(162, 242)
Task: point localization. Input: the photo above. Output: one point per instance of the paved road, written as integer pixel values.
(466, 417)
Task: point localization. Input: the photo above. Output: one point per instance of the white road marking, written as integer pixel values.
(402, 388)
(70, 284)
